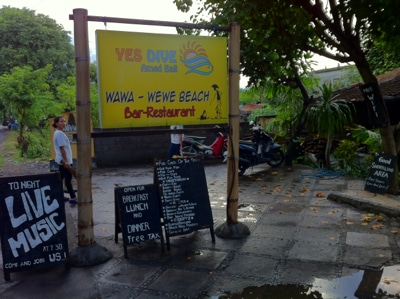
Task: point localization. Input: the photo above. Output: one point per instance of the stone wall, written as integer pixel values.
(129, 150)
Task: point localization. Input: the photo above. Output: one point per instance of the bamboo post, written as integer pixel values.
(233, 229)
(88, 252)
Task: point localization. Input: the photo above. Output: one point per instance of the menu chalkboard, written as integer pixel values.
(184, 196)
(32, 224)
(380, 173)
(138, 214)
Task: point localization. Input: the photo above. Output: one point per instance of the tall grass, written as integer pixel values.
(38, 149)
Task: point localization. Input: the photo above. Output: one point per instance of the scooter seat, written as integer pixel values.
(205, 147)
(195, 138)
(247, 142)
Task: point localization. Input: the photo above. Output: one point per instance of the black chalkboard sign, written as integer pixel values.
(184, 196)
(374, 104)
(138, 214)
(32, 224)
(380, 173)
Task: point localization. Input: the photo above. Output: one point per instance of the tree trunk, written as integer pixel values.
(20, 138)
(387, 132)
(291, 150)
(328, 148)
(396, 135)
(389, 147)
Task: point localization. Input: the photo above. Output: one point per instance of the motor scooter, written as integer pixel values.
(194, 146)
(261, 149)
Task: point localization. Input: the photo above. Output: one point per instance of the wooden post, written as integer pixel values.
(84, 167)
(232, 229)
(93, 254)
(233, 149)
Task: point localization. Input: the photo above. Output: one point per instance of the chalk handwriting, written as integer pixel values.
(37, 206)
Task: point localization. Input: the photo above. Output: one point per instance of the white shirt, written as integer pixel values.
(175, 137)
(60, 139)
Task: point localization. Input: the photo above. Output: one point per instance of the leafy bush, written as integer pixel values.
(35, 146)
(349, 152)
(371, 139)
(265, 111)
(348, 159)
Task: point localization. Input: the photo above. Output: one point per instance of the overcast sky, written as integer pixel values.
(158, 10)
(59, 10)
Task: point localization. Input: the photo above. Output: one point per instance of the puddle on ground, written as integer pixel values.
(363, 284)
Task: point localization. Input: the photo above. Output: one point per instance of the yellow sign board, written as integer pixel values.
(150, 79)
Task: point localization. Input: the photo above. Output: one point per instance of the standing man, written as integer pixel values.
(63, 158)
(175, 149)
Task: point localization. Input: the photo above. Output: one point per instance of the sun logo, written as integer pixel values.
(195, 58)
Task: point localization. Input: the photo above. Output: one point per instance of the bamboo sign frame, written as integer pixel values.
(82, 58)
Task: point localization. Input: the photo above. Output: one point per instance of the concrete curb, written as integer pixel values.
(373, 202)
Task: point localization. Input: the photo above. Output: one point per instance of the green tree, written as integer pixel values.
(344, 26)
(383, 51)
(65, 92)
(93, 72)
(94, 105)
(27, 39)
(27, 96)
(350, 77)
(327, 116)
(382, 59)
(271, 51)
(283, 33)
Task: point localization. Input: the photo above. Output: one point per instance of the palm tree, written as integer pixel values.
(327, 116)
